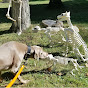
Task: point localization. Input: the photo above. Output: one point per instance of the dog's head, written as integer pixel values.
(38, 52)
(64, 16)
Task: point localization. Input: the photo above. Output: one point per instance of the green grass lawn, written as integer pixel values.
(38, 75)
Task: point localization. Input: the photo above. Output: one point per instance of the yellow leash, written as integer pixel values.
(16, 76)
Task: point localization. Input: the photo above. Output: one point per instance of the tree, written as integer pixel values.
(20, 15)
(55, 3)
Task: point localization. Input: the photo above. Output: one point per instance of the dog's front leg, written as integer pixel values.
(15, 67)
(21, 80)
(14, 71)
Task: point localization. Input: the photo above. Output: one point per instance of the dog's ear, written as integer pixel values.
(36, 54)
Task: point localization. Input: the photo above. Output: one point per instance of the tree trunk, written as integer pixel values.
(55, 3)
(25, 16)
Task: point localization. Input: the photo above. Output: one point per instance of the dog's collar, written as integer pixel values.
(28, 53)
(29, 50)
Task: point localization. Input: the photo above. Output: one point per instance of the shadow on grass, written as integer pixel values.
(5, 32)
(79, 11)
(7, 76)
(41, 12)
(46, 71)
